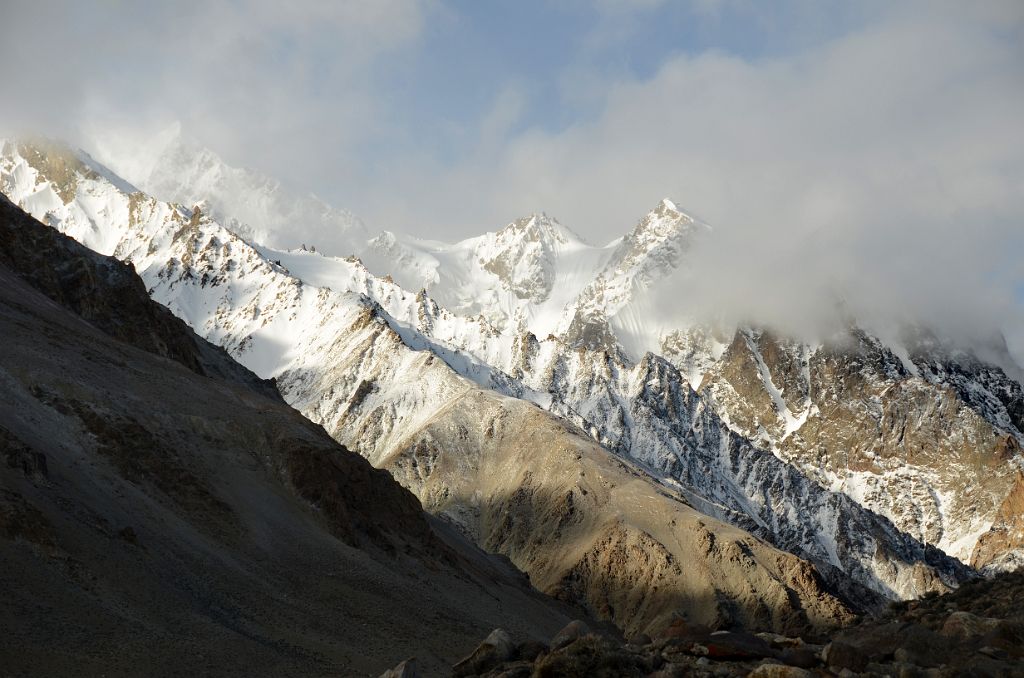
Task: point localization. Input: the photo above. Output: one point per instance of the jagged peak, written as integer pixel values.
(664, 226)
(666, 218)
(538, 226)
(384, 239)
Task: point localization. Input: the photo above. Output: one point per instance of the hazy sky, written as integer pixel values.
(877, 147)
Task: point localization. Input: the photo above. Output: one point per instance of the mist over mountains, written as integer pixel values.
(892, 278)
(870, 155)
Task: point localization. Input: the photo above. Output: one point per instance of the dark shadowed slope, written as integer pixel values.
(163, 512)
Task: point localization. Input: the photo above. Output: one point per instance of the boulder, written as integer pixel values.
(680, 628)
(496, 648)
(921, 646)
(640, 640)
(529, 650)
(406, 669)
(855, 648)
(804, 657)
(1008, 635)
(515, 670)
(736, 645)
(965, 626)
(779, 671)
(779, 641)
(570, 632)
(844, 655)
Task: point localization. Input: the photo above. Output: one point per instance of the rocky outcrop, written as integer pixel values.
(927, 441)
(1001, 547)
(937, 636)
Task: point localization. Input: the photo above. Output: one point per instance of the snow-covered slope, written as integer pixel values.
(520, 277)
(285, 314)
(537, 276)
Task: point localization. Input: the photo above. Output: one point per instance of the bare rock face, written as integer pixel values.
(1001, 547)
(928, 440)
(590, 528)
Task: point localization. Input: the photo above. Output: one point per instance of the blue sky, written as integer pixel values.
(478, 47)
(869, 147)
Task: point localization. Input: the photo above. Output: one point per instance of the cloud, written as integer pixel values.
(878, 159)
(885, 167)
(265, 84)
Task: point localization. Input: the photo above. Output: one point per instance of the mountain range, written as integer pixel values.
(531, 391)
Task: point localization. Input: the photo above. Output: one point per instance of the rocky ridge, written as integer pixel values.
(929, 440)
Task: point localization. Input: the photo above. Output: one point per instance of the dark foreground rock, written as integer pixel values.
(975, 631)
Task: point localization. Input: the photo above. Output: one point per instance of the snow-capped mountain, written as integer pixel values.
(520, 277)
(332, 346)
(535, 275)
(533, 313)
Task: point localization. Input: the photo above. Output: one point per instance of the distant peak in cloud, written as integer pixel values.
(174, 167)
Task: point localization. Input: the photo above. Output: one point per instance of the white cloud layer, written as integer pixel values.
(885, 166)
(269, 84)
